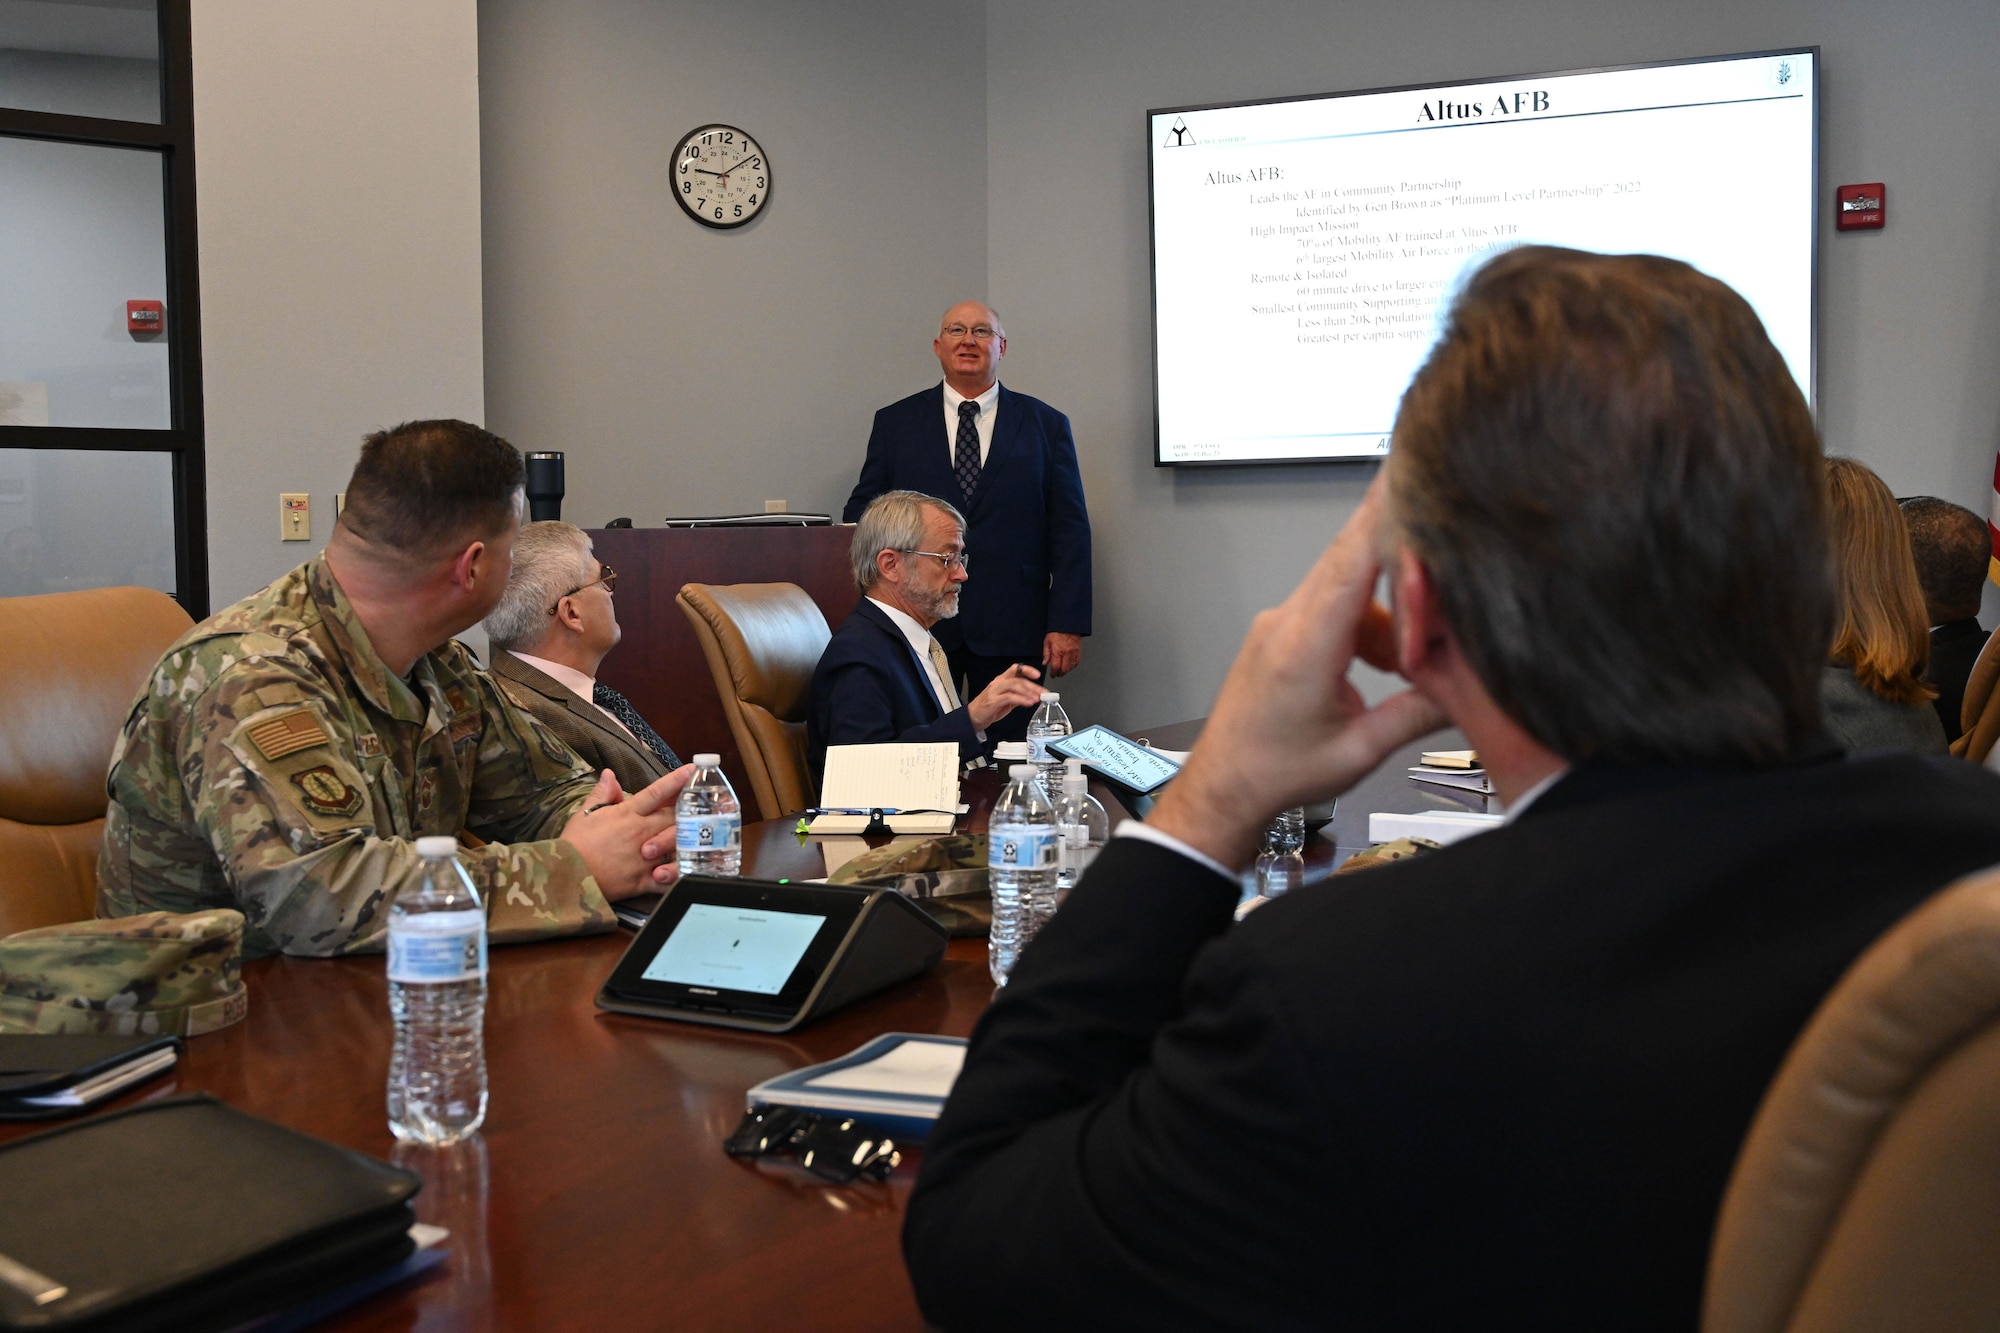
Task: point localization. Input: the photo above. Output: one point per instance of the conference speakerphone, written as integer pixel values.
(769, 956)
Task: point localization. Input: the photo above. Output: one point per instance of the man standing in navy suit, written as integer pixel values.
(1008, 462)
(883, 676)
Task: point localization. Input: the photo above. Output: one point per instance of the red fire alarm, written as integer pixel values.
(1860, 207)
(145, 316)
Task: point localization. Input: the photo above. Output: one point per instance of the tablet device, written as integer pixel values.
(1126, 762)
(769, 955)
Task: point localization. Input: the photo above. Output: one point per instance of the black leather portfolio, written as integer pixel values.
(187, 1215)
(43, 1074)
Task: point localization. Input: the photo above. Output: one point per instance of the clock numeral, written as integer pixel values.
(718, 212)
(684, 167)
(701, 203)
(687, 187)
(752, 199)
(760, 182)
(739, 210)
(693, 151)
(728, 137)
(708, 138)
(754, 163)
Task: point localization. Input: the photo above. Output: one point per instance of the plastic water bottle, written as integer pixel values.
(1084, 825)
(708, 822)
(1020, 867)
(1048, 723)
(437, 999)
(1281, 863)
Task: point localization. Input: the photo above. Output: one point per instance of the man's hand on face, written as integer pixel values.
(627, 842)
(1061, 652)
(1016, 687)
(1288, 727)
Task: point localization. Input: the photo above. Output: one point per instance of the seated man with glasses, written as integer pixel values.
(288, 751)
(1009, 463)
(883, 677)
(553, 628)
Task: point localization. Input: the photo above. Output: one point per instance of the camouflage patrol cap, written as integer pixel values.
(158, 973)
(944, 867)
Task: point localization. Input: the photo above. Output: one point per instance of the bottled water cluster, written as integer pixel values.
(437, 1000)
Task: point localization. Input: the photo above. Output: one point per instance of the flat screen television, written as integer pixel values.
(1304, 248)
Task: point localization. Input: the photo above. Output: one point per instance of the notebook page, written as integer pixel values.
(902, 777)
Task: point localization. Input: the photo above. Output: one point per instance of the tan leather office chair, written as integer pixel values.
(1867, 1196)
(71, 663)
(762, 641)
(1979, 714)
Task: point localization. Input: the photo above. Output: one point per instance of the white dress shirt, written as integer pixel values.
(988, 402)
(582, 686)
(920, 645)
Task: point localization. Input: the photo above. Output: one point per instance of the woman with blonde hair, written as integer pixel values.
(1873, 689)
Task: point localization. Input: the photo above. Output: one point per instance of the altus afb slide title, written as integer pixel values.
(1501, 107)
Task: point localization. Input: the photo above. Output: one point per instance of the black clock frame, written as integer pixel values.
(770, 177)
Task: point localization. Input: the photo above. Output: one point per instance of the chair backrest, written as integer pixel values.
(762, 641)
(71, 664)
(1979, 712)
(1867, 1195)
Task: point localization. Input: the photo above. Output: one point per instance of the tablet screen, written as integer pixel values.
(734, 948)
(1123, 761)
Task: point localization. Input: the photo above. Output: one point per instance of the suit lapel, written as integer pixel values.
(1008, 419)
(582, 710)
(914, 674)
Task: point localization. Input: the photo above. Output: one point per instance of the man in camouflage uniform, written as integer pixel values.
(289, 750)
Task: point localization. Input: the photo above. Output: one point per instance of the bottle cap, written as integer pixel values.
(1050, 696)
(437, 848)
(1006, 750)
(1074, 765)
(708, 761)
(1023, 772)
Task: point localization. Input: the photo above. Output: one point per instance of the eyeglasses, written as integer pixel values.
(609, 578)
(983, 332)
(840, 1151)
(959, 559)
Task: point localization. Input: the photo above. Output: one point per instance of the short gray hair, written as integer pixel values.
(550, 559)
(893, 521)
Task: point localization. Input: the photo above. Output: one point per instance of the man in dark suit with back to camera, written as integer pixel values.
(1008, 463)
(1500, 1085)
(553, 628)
(1954, 549)
(883, 676)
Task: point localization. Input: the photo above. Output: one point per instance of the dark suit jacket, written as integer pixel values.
(581, 725)
(1026, 528)
(868, 688)
(1500, 1086)
(1954, 648)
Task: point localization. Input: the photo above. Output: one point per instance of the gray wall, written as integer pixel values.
(685, 370)
(926, 152)
(339, 233)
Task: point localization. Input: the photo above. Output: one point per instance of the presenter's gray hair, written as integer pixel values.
(550, 558)
(893, 521)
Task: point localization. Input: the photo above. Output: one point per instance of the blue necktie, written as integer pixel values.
(621, 708)
(965, 461)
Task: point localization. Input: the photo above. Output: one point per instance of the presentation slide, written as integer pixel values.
(1304, 251)
(734, 948)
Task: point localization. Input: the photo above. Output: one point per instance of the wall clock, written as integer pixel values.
(722, 176)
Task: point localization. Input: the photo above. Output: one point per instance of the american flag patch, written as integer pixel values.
(287, 733)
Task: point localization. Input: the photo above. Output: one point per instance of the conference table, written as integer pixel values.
(597, 1195)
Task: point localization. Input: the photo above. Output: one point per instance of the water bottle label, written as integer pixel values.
(1021, 847)
(441, 947)
(1038, 750)
(708, 833)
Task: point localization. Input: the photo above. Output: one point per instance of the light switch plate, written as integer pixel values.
(294, 517)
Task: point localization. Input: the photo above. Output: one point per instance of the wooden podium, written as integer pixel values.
(658, 664)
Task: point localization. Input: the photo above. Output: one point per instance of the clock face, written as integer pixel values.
(722, 176)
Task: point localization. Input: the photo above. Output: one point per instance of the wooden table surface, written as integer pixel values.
(597, 1196)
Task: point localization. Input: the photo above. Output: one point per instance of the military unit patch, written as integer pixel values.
(287, 733)
(368, 745)
(326, 792)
